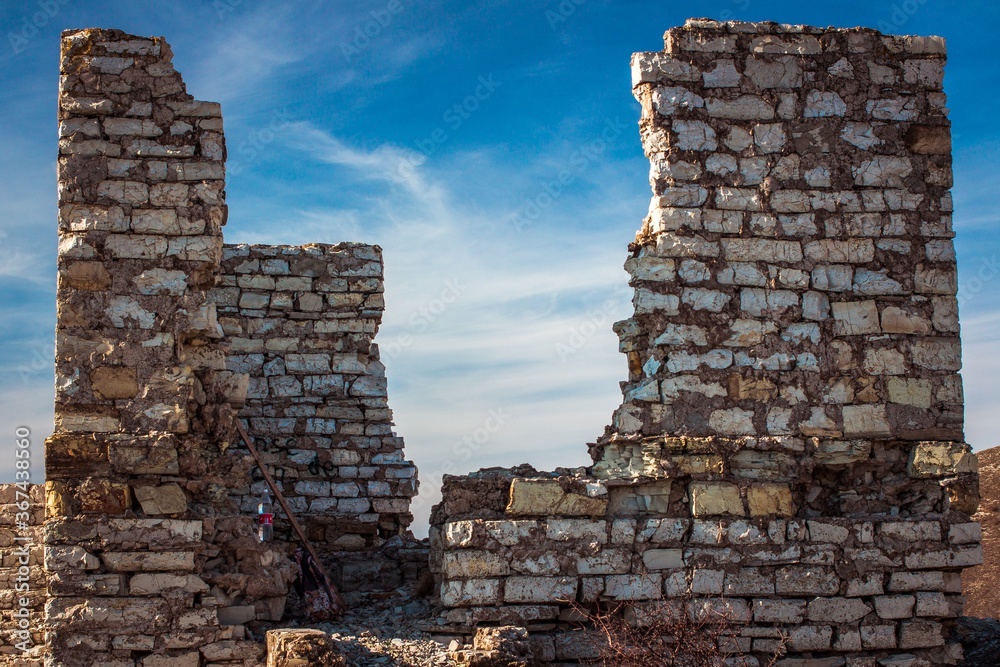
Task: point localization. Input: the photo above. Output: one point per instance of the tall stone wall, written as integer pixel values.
(795, 278)
(791, 434)
(140, 413)
(151, 553)
(301, 321)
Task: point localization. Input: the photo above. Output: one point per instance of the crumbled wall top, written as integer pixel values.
(789, 453)
(302, 321)
(795, 278)
(151, 548)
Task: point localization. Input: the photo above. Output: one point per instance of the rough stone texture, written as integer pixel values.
(505, 646)
(818, 266)
(979, 583)
(143, 415)
(302, 648)
(301, 321)
(150, 539)
(791, 435)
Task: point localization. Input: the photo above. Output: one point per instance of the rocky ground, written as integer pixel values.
(390, 630)
(981, 636)
(981, 640)
(385, 629)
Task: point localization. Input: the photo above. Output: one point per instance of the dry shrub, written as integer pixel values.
(679, 632)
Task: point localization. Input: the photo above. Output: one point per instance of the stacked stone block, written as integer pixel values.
(140, 553)
(151, 549)
(22, 576)
(795, 278)
(521, 550)
(301, 321)
(791, 435)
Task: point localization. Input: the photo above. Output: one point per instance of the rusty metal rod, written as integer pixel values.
(336, 601)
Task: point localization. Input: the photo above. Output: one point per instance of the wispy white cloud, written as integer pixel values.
(386, 162)
(22, 265)
(250, 47)
(477, 313)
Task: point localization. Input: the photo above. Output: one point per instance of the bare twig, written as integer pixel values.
(678, 632)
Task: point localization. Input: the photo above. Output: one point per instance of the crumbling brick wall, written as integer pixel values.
(151, 552)
(796, 276)
(136, 539)
(791, 434)
(301, 321)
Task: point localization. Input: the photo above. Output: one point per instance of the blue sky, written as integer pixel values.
(438, 130)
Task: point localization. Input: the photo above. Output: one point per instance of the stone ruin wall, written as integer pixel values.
(301, 321)
(142, 551)
(150, 547)
(789, 451)
(795, 277)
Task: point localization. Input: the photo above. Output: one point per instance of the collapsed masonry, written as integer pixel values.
(790, 449)
(790, 445)
(300, 323)
(164, 337)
